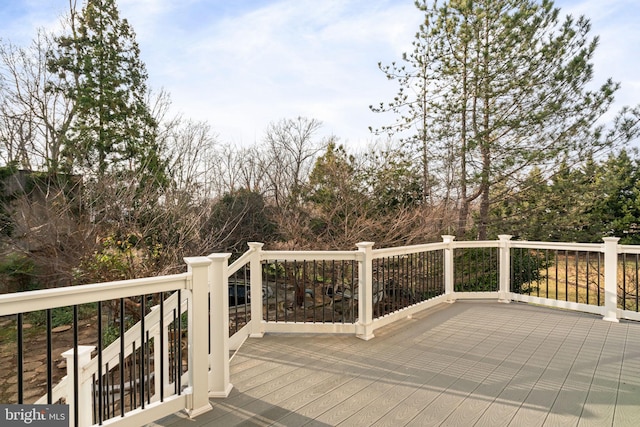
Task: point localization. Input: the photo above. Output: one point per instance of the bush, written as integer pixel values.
(19, 272)
(476, 270)
(525, 269)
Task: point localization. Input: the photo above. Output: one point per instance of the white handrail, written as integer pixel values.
(23, 302)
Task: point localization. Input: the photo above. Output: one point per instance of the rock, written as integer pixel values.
(32, 366)
(61, 328)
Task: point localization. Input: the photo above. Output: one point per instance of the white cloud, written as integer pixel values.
(285, 59)
(241, 64)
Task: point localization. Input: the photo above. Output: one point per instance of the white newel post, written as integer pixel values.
(505, 268)
(219, 383)
(611, 279)
(83, 399)
(448, 268)
(198, 320)
(364, 327)
(255, 269)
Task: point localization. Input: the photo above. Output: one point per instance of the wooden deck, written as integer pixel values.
(464, 364)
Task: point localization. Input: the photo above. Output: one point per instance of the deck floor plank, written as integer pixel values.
(463, 364)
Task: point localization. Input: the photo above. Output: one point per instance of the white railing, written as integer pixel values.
(78, 388)
(380, 286)
(111, 354)
(368, 287)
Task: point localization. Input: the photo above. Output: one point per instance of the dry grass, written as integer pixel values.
(579, 277)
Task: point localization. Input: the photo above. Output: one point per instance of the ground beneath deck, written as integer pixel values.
(464, 364)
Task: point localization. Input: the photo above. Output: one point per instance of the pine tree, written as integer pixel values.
(494, 88)
(102, 73)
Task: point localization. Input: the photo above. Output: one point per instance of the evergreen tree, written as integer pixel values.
(99, 62)
(494, 88)
(338, 207)
(616, 205)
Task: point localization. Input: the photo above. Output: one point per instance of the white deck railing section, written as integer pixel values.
(386, 285)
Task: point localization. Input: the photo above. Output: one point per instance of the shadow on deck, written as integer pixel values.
(464, 364)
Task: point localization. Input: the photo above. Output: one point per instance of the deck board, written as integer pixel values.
(463, 364)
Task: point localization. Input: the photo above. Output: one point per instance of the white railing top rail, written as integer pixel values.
(476, 244)
(561, 246)
(629, 249)
(408, 250)
(23, 302)
(242, 261)
(311, 256)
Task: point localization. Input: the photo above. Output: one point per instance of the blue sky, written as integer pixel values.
(241, 64)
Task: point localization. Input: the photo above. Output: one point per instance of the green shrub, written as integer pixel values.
(476, 269)
(19, 272)
(525, 269)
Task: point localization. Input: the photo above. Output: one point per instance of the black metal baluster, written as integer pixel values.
(535, 270)
(469, 271)
(566, 275)
(437, 271)
(121, 367)
(385, 283)
(94, 397)
(247, 284)
(624, 281)
(179, 343)
(375, 265)
(636, 284)
(304, 293)
(599, 275)
(458, 282)
(132, 376)
(512, 270)
(76, 370)
(529, 272)
(314, 286)
(162, 344)
(496, 264)
(298, 286)
(335, 271)
(49, 358)
(411, 283)
(546, 266)
(143, 310)
(577, 259)
(587, 274)
(478, 272)
(106, 393)
(352, 268)
(172, 352)
(283, 302)
(344, 289)
(325, 290)
(428, 266)
(237, 303)
(419, 276)
(113, 392)
(147, 349)
(20, 359)
(100, 385)
(557, 255)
